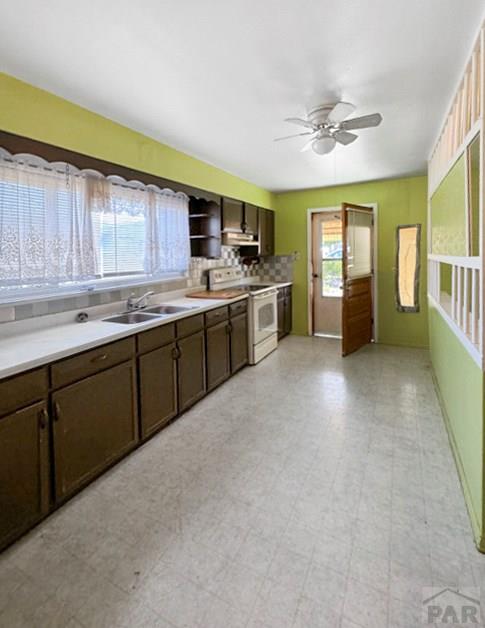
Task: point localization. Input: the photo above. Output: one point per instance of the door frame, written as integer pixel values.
(338, 208)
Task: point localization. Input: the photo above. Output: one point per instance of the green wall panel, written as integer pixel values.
(35, 113)
(460, 382)
(400, 201)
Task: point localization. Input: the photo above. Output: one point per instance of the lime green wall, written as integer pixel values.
(400, 201)
(448, 213)
(460, 382)
(34, 113)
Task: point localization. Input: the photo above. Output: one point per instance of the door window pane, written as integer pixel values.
(332, 278)
(359, 243)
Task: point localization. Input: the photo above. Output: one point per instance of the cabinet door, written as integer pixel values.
(281, 316)
(218, 354)
(288, 313)
(266, 232)
(191, 370)
(250, 218)
(24, 470)
(158, 388)
(239, 342)
(95, 423)
(232, 215)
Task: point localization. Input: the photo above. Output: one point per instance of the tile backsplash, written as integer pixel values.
(273, 268)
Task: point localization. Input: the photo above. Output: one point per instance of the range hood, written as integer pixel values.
(234, 238)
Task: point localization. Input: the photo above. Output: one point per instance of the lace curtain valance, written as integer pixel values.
(59, 224)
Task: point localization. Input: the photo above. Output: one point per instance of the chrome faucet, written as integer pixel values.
(138, 303)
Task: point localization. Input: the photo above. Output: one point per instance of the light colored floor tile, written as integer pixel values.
(365, 606)
(304, 487)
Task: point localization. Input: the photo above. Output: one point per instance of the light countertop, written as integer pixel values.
(28, 349)
(27, 344)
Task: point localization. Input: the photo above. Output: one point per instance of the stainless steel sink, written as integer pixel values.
(130, 318)
(167, 309)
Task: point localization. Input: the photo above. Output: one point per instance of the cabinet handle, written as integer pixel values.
(99, 358)
(228, 328)
(57, 411)
(43, 419)
(176, 353)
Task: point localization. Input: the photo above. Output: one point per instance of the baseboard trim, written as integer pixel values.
(475, 519)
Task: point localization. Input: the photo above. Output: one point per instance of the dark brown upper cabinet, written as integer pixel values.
(266, 232)
(250, 220)
(191, 369)
(24, 470)
(232, 215)
(95, 423)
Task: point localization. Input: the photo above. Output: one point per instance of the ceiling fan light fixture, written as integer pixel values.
(323, 145)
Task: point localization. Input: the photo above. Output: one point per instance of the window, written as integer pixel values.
(63, 229)
(407, 268)
(332, 257)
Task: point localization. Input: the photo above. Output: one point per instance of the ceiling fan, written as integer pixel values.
(327, 126)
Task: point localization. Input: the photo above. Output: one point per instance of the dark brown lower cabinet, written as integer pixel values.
(95, 423)
(218, 354)
(239, 342)
(288, 318)
(284, 311)
(24, 470)
(191, 370)
(281, 314)
(157, 372)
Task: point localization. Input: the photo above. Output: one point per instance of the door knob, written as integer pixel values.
(314, 275)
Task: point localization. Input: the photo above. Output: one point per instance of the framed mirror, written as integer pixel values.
(408, 244)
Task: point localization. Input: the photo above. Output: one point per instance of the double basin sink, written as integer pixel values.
(148, 314)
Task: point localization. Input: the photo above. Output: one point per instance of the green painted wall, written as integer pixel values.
(400, 201)
(460, 382)
(448, 213)
(35, 113)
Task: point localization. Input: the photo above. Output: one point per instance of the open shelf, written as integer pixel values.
(205, 228)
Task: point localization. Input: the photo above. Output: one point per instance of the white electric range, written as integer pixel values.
(262, 309)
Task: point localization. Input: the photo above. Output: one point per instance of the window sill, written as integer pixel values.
(96, 287)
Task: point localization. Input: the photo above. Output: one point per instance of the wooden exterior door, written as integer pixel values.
(358, 277)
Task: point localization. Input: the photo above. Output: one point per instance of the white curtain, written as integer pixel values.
(167, 232)
(46, 234)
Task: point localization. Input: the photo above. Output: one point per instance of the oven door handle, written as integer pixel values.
(258, 297)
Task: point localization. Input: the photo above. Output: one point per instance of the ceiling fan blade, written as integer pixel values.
(287, 137)
(364, 122)
(301, 122)
(340, 112)
(343, 137)
(307, 145)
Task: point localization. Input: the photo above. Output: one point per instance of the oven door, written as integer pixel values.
(265, 315)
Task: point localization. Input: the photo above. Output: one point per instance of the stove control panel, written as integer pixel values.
(223, 274)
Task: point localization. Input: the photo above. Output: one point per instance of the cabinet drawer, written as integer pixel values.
(154, 338)
(238, 308)
(216, 316)
(22, 390)
(90, 362)
(189, 325)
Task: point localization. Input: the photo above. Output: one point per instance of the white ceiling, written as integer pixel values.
(215, 78)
